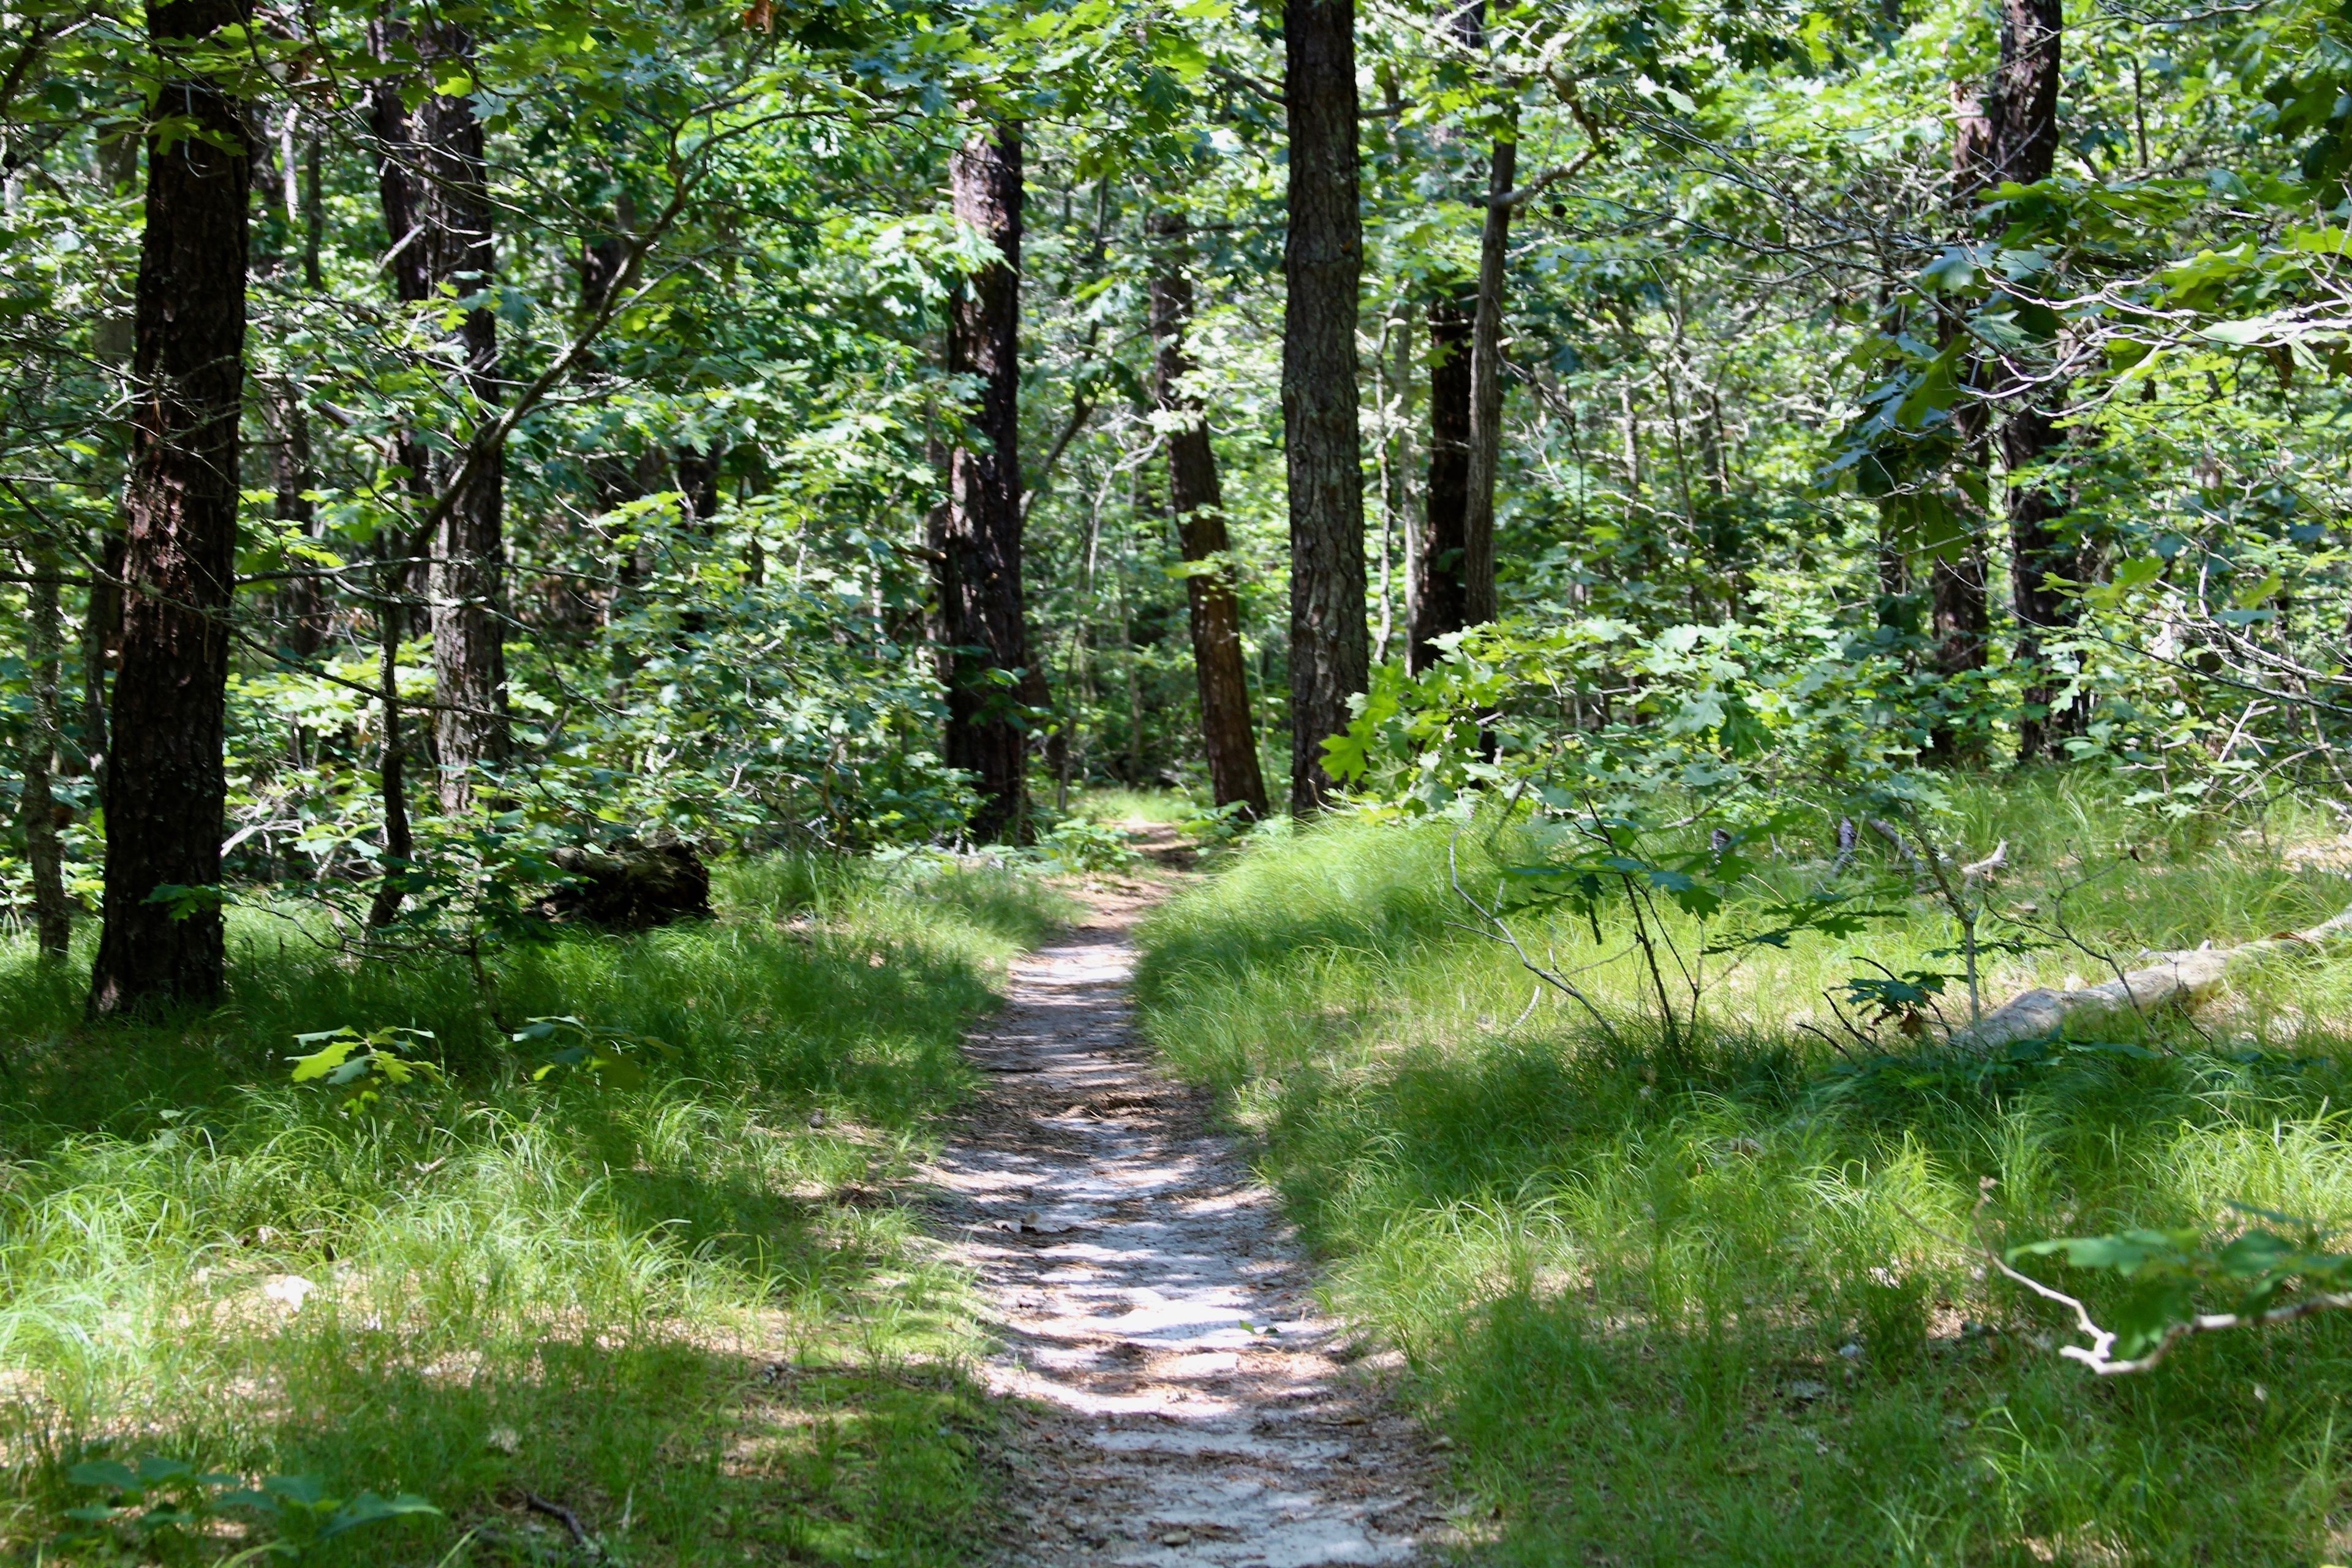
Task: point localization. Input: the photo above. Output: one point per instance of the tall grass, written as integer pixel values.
(686, 1311)
(1704, 1305)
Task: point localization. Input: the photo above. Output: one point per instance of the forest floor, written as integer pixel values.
(1183, 1399)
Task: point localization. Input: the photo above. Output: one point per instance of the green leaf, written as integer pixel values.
(369, 1509)
(103, 1473)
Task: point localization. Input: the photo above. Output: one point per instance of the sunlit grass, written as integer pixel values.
(1115, 807)
(1705, 1305)
(691, 1313)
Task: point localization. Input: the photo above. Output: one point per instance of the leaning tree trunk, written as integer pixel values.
(434, 186)
(1433, 595)
(1197, 502)
(1323, 261)
(983, 615)
(1478, 602)
(165, 789)
(2025, 150)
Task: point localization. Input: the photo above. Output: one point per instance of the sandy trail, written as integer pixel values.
(1189, 1405)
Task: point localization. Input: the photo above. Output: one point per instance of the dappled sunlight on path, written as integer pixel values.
(1193, 1406)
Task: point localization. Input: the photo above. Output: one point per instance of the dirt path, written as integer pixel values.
(1189, 1406)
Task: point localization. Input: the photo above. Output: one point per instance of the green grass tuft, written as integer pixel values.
(1695, 1307)
(689, 1312)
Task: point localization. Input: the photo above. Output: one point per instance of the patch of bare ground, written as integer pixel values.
(1182, 1400)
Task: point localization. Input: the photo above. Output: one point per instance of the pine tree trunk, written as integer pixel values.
(165, 788)
(1197, 502)
(1434, 596)
(434, 185)
(2025, 150)
(984, 614)
(1323, 260)
(1479, 601)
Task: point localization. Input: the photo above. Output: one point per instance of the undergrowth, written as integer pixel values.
(1716, 1304)
(688, 1312)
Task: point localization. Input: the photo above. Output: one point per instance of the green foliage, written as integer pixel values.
(366, 1067)
(160, 1495)
(2255, 1273)
(614, 1058)
(1075, 843)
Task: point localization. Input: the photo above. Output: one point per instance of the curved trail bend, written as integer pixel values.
(1188, 1406)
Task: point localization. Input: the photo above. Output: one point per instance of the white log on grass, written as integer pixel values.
(2178, 980)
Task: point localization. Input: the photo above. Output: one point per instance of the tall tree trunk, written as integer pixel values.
(1434, 596)
(392, 759)
(1959, 614)
(165, 788)
(1197, 502)
(2025, 150)
(983, 608)
(435, 188)
(52, 914)
(1323, 263)
(303, 602)
(112, 341)
(1478, 602)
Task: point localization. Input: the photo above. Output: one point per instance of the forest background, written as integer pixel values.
(1777, 472)
(1963, 373)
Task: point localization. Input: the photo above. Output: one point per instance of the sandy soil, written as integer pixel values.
(1184, 1403)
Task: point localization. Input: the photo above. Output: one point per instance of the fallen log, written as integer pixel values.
(2177, 980)
(631, 885)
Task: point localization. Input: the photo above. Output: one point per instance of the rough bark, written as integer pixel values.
(433, 181)
(983, 612)
(1434, 595)
(1194, 495)
(2178, 980)
(165, 787)
(2025, 149)
(1478, 602)
(2040, 550)
(2025, 116)
(1323, 257)
(1958, 621)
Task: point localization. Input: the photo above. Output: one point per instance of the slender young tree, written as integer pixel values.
(1433, 592)
(165, 786)
(1194, 495)
(1323, 263)
(432, 180)
(278, 188)
(984, 619)
(1479, 601)
(2025, 150)
(38, 812)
